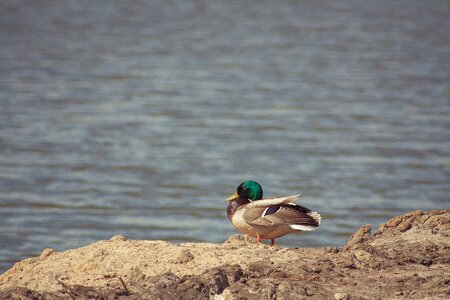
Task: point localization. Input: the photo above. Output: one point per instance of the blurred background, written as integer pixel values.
(140, 117)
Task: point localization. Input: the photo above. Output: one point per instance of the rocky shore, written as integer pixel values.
(408, 257)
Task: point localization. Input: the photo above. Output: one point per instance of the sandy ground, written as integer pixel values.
(408, 257)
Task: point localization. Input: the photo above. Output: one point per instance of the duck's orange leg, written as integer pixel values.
(258, 238)
(272, 242)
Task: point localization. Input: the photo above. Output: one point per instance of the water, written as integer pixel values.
(140, 118)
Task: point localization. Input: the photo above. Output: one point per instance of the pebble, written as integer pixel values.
(184, 257)
(118, 238)
(47, 252)
(341, 296)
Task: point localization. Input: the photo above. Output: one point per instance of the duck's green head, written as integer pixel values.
(249, 190)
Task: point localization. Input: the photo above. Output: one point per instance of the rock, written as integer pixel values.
(331, 249)
(288, 291)
(166, 280)
(240, 239)
(361, 236)
(409, 253)
(117, 238)
(184, 257)
(46, 252)
(234, 273)
(405, 225)
(341, 296)
(226, 295)
(24, 293)
(136, 274)
(394, 222)
(362, 255)
(216, 280)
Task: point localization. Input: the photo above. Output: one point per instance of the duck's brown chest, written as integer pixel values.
(234, 205)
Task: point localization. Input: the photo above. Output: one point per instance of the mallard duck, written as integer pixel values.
(268, 218)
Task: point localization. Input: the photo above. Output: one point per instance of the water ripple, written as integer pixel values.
(141, 119)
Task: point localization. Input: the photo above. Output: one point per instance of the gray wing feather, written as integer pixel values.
(285, 216)
(272, 201)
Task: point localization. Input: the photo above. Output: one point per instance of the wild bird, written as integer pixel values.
(268, 218)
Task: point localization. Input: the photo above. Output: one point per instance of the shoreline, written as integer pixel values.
(407, 257)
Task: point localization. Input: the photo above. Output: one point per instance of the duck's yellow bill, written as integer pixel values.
(234, 196)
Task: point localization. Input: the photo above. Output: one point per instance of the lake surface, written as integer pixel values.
(140, 118)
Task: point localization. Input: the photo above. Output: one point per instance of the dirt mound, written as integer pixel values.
(407, 257)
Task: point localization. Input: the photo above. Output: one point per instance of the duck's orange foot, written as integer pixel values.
(258, 238)
(272, 242)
